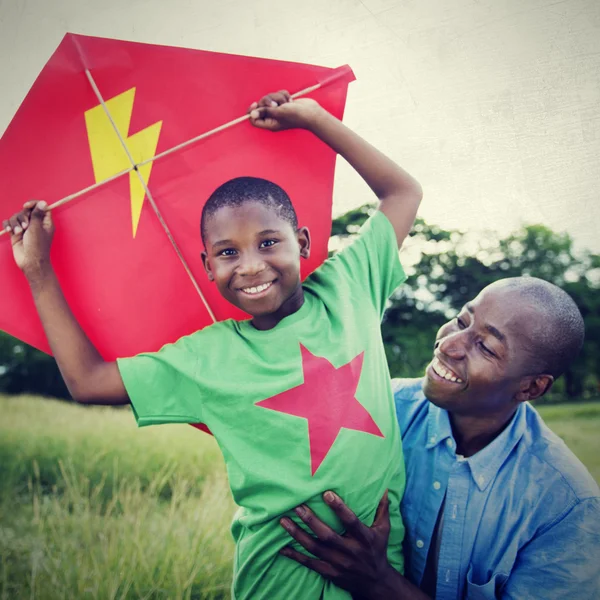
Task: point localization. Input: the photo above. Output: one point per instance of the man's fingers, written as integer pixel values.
(350, 521)
(313, 564)
(320, 529)
(306, 540)
(382, 516)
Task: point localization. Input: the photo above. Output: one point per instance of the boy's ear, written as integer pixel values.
(303, 235)
(534, 387)
(206, 264)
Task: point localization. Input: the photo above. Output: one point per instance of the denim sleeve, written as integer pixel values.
(562, 560)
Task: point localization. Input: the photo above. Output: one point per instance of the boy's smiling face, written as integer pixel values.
(253, 256)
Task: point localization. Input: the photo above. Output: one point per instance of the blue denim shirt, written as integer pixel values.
(521, 517)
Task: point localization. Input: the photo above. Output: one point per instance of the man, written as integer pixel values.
(496, 505)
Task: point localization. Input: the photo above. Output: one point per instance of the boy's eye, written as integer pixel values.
(268, 243)
(227, 252)
(461, 324)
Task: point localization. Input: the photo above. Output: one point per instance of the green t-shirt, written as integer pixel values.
(296, 410)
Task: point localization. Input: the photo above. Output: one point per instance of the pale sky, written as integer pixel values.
(494, 105)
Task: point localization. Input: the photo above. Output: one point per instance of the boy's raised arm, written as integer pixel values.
(89, 378)
(399, 193)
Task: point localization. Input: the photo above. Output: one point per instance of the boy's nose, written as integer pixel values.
(251, 265)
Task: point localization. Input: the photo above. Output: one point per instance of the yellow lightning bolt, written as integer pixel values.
(109, 156)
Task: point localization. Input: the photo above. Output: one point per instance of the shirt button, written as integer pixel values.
(449, 443)
(432, 439)
(437, 485)
(481, 479)
(420, 543)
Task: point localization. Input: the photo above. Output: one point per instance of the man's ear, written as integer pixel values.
(303, 236)
(534, 387)
(206, 264)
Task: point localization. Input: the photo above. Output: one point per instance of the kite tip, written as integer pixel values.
(344, 73)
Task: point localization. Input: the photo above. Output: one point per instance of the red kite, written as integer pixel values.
(130, 138)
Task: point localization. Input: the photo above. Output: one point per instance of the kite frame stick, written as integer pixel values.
(76, 195)
(216, 130)
(135, 165)
(150, 197)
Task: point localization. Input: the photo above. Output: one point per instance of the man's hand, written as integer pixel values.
(277, 111)
(356, 561)
(31, 236)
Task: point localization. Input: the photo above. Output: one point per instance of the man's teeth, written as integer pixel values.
(258, 288)
(439, 368)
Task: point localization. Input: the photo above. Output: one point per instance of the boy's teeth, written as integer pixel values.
(257, 289)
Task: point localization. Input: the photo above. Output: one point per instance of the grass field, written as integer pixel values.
(92, 507)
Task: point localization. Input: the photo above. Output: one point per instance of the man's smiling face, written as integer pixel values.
(481, 356)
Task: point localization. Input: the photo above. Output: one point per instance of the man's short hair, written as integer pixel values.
(240, 190)
(559, 338)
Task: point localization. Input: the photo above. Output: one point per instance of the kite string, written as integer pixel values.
(150, 198)
(135, 166)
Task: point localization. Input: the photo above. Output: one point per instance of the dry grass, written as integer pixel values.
(92, 507)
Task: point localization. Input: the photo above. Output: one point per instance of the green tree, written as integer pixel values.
(448, 268)
(452, 267)
(23, 369)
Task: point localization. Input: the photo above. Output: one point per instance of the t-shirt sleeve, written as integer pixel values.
(371, 262)
(161, 385)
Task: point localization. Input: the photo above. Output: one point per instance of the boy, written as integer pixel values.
(311, 355)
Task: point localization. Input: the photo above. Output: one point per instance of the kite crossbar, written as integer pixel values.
(172, 150)
(82, 192)
(206, 134)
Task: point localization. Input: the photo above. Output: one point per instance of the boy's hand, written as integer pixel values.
(31, 237)
(277, 111)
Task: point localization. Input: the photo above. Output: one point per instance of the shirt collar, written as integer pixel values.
(485, 464)
(438, 426)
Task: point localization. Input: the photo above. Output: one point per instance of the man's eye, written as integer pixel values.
(485, 349)
(460, 323)
(268, 243)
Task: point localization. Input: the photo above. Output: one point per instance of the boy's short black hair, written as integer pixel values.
(240, 190)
